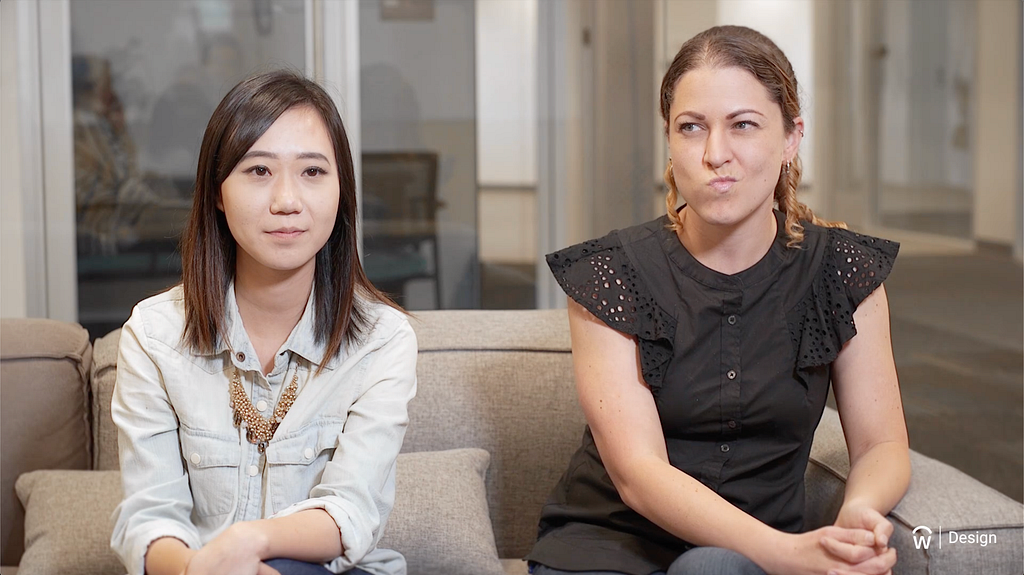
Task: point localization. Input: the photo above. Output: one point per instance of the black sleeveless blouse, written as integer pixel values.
(739, 366)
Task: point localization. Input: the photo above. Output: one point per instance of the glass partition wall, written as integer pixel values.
(419, 151)
(486, 133)
(145, 78)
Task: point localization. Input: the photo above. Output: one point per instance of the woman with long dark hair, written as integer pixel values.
(261, 403)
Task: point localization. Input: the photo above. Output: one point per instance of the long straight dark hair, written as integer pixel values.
(341, 288)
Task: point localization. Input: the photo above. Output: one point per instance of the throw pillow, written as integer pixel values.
(68, 522)
(440, 521)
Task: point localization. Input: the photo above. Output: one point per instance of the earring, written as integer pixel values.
(785, 168)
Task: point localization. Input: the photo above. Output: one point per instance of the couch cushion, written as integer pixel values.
(501, 381)
(44, 410)
(439, 522)
(104, 373)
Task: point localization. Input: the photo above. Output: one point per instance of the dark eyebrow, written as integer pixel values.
(313, 156)
(701, 117)
(257, 154)
(693, 115)
(272, 156)
(745, 111)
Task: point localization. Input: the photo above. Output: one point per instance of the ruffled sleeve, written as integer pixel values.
(598, 275)
(852, 267)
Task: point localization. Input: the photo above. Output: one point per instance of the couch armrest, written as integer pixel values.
(939, 497)
(44, 410)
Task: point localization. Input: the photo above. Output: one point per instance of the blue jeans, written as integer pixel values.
(697, 561)
(293, 567)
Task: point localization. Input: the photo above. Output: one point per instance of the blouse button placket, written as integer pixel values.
(731, 358)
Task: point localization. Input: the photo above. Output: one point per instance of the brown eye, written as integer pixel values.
(313, 172)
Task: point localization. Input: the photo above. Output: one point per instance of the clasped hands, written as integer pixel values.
(857, 544)
(860, 541)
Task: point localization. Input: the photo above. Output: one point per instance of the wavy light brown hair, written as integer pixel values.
(741, 47)
(208, 249)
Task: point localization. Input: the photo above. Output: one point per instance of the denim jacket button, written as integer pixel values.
(308, 453)
(253, 471)
(195, 458)
(261, 405)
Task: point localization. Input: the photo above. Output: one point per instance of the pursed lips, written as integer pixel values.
(722, 184)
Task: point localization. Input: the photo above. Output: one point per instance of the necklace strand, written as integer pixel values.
(259, 429)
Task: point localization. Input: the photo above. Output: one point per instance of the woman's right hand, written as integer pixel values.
(236, 551)
(828, 551)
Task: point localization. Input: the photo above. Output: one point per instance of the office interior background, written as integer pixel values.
(487, 133)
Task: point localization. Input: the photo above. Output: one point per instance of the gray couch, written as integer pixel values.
(496, 380)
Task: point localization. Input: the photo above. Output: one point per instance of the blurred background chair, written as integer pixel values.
(400, 239)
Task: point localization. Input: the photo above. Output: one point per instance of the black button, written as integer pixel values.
(725, 448)
(732, 320)
(240, 356)
(731, 374)
(732, 424)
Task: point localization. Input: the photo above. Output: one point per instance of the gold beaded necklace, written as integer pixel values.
(259, 430)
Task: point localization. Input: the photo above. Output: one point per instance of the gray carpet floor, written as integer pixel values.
(958, 340)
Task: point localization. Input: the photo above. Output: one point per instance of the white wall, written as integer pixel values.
(508, 225)
(506, 92)
(12, 248)
(997, 153)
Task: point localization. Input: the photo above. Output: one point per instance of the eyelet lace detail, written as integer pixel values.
(853, 266)
(597, 274)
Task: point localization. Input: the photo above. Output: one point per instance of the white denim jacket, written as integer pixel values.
(189, 473)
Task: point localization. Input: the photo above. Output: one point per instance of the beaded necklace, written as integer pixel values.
(259, 430)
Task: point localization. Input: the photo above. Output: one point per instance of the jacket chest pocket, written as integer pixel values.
(296, 463)
(212, 472)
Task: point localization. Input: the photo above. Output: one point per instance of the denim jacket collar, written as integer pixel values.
(301, 341)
